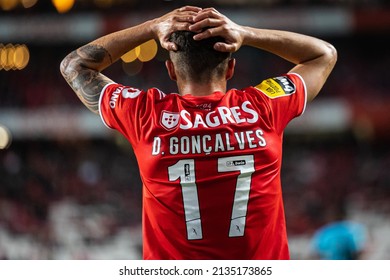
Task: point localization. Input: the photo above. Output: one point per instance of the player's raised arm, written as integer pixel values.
(314, 59)
(82, 67)
(86, 82)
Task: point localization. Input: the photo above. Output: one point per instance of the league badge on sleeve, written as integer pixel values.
(277, 87)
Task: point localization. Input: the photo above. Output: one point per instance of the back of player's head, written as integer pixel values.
(198, 61)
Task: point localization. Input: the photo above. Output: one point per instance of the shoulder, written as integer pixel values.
(115, 91)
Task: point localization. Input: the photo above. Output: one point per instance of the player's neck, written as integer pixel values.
(198, 89)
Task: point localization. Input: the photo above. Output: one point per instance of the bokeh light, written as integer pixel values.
(13, 57)
(28, 3)
(144, 52)
(21, 57)
(63, 6)
(8, 5)
(4, 56)
(5, 137)
(132, 68)
(147, 51)
(130, 56)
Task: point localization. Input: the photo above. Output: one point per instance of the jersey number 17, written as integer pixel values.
(184, 170)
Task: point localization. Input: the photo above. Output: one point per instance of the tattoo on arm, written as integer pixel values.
(79, 69)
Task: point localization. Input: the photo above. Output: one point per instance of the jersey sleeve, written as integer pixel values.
(119, 108)
(286, 96)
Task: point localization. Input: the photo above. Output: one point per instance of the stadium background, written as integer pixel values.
(69, 187)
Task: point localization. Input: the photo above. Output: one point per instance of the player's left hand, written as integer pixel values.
(211, 23)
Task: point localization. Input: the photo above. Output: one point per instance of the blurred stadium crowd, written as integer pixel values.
(80, 197)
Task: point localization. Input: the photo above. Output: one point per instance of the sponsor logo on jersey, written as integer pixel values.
(222, 115)
(277, 87)
(169, 120)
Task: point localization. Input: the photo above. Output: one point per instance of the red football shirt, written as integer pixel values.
(210, 167)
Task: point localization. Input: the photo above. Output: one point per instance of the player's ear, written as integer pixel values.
(230, 68)
(171, 70)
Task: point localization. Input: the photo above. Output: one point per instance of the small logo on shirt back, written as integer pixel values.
(187, 173)
(169, 120)
(235, 163)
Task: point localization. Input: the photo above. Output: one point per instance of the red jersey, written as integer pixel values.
(210, 167)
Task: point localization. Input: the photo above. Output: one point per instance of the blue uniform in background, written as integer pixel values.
(342, 240)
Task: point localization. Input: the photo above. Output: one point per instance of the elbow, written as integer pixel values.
(331, 54)
(65, 66)
(70, 65)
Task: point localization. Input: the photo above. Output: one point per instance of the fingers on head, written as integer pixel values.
(189, 9)
(208, 13)
(224, 47)
(169, 46)
(210, 26)
(210, 32)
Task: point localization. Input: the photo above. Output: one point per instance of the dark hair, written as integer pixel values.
(198, 60)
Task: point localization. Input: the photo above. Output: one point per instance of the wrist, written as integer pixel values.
(248, 35)
(152, 28)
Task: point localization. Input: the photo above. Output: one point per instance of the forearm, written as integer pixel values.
(314, 58)
(108, 49)
(82, 67)
(294, 47)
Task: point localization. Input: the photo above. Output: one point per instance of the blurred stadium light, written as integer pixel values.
(14, 57)
(5, 137)
(63, 6)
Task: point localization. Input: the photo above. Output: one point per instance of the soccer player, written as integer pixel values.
(209, 158)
